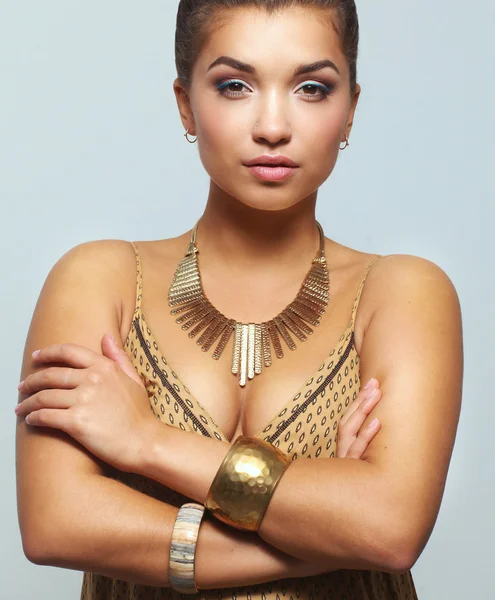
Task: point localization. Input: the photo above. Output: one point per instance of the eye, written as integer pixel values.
(317, 90)
(228, 84)
(232, 88)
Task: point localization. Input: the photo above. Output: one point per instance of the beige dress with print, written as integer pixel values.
(306, 428)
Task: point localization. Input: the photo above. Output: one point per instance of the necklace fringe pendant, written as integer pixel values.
(253, 342)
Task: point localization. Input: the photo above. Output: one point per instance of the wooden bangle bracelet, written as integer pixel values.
(183, 548)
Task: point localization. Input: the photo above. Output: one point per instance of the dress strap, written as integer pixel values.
(139, 280)
(360, 289)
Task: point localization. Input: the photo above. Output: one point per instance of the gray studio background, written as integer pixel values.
(91, 147)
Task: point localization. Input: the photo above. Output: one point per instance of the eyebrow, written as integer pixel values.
(299, 70)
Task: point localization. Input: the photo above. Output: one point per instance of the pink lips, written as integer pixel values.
(272, 168)
(271, 173)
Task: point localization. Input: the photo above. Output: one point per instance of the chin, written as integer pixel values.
(270, 197)
(268, 205)
(266, 196)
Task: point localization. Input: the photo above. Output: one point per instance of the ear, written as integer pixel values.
(182, 96)
(352, 110)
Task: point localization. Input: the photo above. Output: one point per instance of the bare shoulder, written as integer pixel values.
(402, 278)
(107, 262)
(407, 271)
(400, 282)
(110, 266)
(104, 269)
(98, 256)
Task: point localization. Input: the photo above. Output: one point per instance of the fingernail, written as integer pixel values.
(370, 400)
(113, 339)
(35, 353)
(370, 393)
(373, 423)
(19, 387)
(369, 384)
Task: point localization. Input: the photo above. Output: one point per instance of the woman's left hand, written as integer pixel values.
(99, 400)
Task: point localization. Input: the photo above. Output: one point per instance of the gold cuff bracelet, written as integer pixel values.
(245, 482)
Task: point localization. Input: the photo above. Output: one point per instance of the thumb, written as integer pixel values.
(113, 351)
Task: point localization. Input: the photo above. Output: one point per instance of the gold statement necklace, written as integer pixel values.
(252, 341)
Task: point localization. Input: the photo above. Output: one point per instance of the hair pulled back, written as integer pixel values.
(197, 18)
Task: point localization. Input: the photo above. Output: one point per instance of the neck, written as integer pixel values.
(253, 239)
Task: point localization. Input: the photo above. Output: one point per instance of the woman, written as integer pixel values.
(259, 84)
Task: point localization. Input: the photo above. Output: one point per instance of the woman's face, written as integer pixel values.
(239, 115)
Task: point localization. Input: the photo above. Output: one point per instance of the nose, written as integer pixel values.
(272, 124)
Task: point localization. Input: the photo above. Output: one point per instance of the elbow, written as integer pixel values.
(400, 550)
(386, 555)
(38, 541)
(400, 560)
(396, 533)
(35, 549)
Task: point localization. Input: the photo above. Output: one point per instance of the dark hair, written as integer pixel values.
(197, 18)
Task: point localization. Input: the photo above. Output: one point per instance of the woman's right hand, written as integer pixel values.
(353, 438)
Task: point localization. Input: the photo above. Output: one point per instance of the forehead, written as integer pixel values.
(272, 42)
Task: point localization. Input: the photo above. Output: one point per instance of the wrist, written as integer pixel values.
(167, 449)
(152, 450)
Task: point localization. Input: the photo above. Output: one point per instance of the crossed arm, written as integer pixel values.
(375, 513)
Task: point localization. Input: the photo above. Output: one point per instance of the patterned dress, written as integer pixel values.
(305, 428)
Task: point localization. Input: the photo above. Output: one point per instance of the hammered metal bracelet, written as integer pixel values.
(245, 482)
(183, 548)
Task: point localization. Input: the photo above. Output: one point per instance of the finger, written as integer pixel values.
(49, 378)
(360, 444)
(46, 399)
(113, 351)
(74, 355)
(359, 416)
(362, 396)
(50, 417)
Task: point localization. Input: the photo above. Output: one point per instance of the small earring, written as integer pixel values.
(185, 135)
(346, 143)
